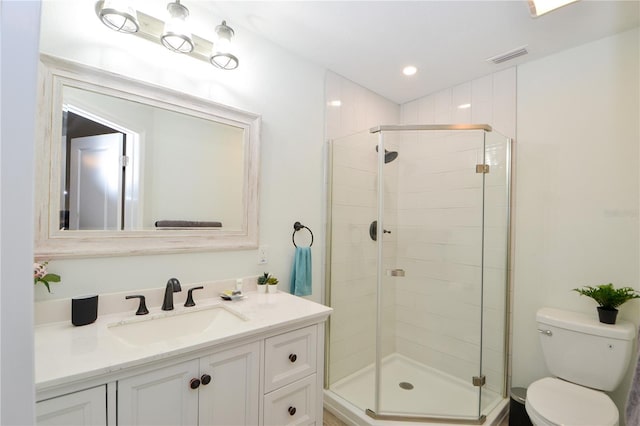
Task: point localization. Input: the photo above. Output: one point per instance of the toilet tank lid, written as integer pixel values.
(585, 323)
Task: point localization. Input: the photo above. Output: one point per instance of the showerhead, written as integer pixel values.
(389, 156)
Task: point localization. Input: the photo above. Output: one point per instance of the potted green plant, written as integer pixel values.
(608, 298)
(272, 285)
(262, 283)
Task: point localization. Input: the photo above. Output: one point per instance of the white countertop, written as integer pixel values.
(65, 353)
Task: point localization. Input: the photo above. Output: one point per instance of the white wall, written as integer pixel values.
(576, 191)
(492, 100)
(286, 90)
(18, 21)
(359, 109)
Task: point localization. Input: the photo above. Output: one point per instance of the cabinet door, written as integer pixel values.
(84, 408)
(231, 398)
(160, 397)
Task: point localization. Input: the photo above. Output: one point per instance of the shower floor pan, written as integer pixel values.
(411, 388)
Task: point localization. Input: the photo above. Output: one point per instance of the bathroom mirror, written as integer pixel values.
(124, 167)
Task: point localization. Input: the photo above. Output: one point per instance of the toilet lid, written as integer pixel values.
(564, 403)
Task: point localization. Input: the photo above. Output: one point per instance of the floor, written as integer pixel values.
(331, 420)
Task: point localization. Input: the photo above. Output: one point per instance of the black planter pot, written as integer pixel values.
(606, 315)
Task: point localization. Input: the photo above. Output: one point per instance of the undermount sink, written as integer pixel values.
(164, 326)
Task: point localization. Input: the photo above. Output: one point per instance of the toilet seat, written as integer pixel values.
(552, 402)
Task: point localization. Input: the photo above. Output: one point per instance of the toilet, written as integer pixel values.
(586, 357)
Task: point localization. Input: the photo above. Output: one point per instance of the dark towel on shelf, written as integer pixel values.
(187, 224)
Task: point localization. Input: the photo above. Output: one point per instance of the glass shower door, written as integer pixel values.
(429, 321)
(351, 345)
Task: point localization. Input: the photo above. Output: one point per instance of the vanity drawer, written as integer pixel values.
(289, 357)
(294, 404)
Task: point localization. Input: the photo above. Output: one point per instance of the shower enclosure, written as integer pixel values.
(417, 273)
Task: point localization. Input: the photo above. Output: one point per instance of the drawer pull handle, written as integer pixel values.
(292, 411)
(205, 379)
(293, 358)
(194, 383)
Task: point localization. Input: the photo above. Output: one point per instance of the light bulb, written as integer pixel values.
(221, 56)
(176, 35)
(119, 15)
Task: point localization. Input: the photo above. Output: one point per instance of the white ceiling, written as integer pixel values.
(369, 42)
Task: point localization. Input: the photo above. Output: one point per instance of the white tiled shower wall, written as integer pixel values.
(425, 322)
(439, 303)
(354, 199)
(440, 240)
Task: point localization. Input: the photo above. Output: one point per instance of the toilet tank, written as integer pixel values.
(580, 349)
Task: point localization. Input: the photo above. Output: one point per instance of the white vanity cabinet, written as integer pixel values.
(217, 389)
(265, 370)
(83, 408)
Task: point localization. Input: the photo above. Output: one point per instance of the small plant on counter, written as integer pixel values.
(608, 298)
(263, 279)
(273, 284)
(40, 275)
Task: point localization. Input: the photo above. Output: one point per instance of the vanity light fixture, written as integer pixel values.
(119, 15)
(221, 56)
(176, 35)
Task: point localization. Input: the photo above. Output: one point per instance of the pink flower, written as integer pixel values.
(39, 270)
(40, 275)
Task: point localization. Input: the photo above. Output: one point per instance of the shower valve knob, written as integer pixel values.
(373, 230)
(293, 357)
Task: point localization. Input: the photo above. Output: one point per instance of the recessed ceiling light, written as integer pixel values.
(464, 106)
(335, 103)
(409, 70)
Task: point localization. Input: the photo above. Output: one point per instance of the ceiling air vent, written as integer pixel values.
(507, 56)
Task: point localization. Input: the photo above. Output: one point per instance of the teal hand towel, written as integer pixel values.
(301, 272)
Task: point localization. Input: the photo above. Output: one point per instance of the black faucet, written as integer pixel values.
(173, 285)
